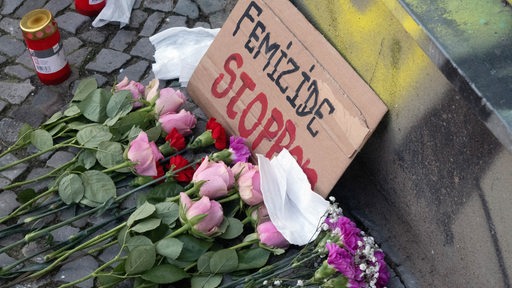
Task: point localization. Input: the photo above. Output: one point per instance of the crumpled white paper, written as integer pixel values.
(178, 51)
(115, 10)
(295, 209)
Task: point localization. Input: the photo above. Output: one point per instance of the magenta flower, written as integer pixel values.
(145, 155)
(136, 88)
(218, 178)
(383, 278)
(341, 260)
(239, 151)
(270, 236)
(209, 225)
(349, 233)
(169, 101)
(183, 121)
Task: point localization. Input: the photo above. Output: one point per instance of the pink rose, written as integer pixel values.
(151, 90)
(240, 167)
(183, 121)
(249, 185)
(209, 225)
(169, 101)
(135, 88)
(270, 236)
(219, 178)
(145, 155)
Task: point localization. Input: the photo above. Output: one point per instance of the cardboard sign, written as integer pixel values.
(271, 78)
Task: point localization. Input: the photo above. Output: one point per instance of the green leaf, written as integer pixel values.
(56, 116)
(120, 104)
(165, 274)
(71, 189)
(234, 229)
(139, 118)
(168, 212)
(123, 237)
(252, 258)
(72, 110)
(92, 136)
(77, 125)
(192, 247)
(138, 241)
(169, 247)
(26, 195)
(133, 133)
(59, 128)
(94, 106)
(110, 154)
(87, 158)
(154, 133)
(98, 186)
(164, 190)
(224, 261)
(203, 263)
(146, 225)
(145, 210)
(41, 139)
(141, 283)
(140, 259)
(85, 87)
(115, 277)
(210, 281)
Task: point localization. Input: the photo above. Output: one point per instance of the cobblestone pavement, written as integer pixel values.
(24, 99)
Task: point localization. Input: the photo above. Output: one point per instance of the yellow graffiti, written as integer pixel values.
(380, 47)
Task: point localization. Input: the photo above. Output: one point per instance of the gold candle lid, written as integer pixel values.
(37, 24)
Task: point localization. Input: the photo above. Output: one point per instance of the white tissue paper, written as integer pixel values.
(295, 209)
(115, 10)
(178, 51)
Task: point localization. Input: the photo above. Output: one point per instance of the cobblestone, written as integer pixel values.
(122, 39)
(11, 46)
(19, 72)
(15, 93)
(9, 131)
(187, 8)
(77, 269)
(134, 71)
(70, 21)
(108, 60)
(151, 24)
(7, 202)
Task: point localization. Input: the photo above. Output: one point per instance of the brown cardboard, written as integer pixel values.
(249, 77)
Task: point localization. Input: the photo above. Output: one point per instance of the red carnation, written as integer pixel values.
(176, 140)
(218, 133)
(178, 162)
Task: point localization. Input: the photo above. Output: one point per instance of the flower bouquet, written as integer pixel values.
(206, 214)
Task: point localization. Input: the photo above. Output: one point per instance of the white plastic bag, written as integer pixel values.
(115, 10)
(295, 209)
(178, 51)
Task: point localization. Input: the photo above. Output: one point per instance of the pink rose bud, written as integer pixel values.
(151, 90)
(249, 185)
(208, 225)
(241, 167)
(145, 155)
(136, 88)
(169, 101)
(218, 176)
(270, 236)
(183, 121)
